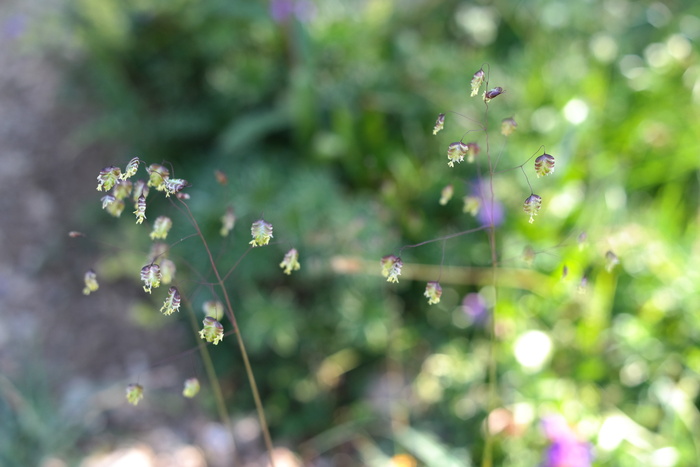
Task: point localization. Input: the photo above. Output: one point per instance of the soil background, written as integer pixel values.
(63, 355)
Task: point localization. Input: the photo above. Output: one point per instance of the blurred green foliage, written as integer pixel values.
(34, 425)
(323, 121)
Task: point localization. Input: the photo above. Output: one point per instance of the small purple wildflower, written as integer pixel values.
(488, 212)
(14, 26)
(282, 11)
(566, 449)
(474, 306)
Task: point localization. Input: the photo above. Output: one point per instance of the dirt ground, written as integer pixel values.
(83, 349)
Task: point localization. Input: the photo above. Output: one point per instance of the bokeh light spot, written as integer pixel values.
(576, 111)
(532, 349)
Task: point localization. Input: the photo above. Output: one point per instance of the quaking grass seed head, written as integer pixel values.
(191, 388)
(261, 232)
(161, 227)
(134, 393)
(213, 331)
(108, 177)
(532, 205)
(544, 165)
(140, 211)
(439, 124)
(122, 189)
(477, 81)
(213, 309)
(433, 292)
(456, 152)
(91, 284)
(508, 126)
(493, 93)
(175, 186)
(228, 221)
(157, 175)
(290, 262)
(151, 276)
(131, 168)
(446, 194)
(472, 149)
(172, 302)
(391, 267)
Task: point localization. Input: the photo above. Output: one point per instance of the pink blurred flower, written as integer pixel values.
(283, 10)
(474, 306)
(488, 212)
(566, 448)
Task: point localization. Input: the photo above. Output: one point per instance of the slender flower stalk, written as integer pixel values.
(244, 354)
(161, 270)
(487, 459)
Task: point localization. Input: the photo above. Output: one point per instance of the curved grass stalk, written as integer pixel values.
(246, 361)
(487, 460)
(211, 375)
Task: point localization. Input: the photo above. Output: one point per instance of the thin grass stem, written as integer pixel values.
(244, 354)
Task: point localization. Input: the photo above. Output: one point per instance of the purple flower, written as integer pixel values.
(14, 26)
(283, 10)
(566, 449)
(474, 306)
(486, 214)
(489, 211)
